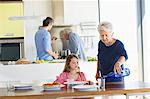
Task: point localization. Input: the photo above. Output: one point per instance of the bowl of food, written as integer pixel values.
(52, 86)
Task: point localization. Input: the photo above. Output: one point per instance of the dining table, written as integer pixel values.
(111, 88)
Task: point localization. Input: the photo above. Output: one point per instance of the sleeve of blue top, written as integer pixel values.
(121, 50)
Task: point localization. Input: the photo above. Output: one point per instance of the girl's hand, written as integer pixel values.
(117, 68)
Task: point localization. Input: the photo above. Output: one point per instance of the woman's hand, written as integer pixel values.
(117, 68)
(56, 56)
(98, 75)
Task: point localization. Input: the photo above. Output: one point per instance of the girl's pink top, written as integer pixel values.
(65, 75)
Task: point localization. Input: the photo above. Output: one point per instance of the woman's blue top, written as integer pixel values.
(108, 56)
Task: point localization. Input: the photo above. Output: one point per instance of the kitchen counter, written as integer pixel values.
(30, 72)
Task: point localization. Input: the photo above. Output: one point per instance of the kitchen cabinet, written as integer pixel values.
(11, 28)
(75, 11)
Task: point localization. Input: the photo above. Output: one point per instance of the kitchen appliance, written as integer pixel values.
(63, 53)
(11, 49)
(9, 52)
(67, 52)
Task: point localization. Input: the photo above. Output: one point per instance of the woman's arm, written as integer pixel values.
(98, 74)
(117, 66)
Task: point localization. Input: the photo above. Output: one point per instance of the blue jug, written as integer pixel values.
(124, 72)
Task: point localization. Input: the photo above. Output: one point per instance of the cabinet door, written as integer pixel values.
(11, 28)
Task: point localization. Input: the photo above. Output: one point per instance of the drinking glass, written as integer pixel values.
(69, 83)
(103, 83)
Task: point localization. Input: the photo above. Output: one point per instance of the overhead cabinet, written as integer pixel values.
(8, 27)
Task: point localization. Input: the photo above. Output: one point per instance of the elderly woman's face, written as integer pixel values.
(66, 36)
(105, 36)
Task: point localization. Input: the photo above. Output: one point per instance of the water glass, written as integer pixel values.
(103, 83)
(9, 85)
(99, 83)
(69, 83)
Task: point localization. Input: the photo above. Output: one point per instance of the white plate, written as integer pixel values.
(23, 88)
(76, 82)
(52, 89)
(86, 87)
(21, 85)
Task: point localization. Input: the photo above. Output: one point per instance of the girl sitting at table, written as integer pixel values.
(71, 70)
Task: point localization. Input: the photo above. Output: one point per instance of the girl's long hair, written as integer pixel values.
(67, 67)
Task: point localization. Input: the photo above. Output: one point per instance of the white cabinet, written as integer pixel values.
(75, 11)
(37, 8)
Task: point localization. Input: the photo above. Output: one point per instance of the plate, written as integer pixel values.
(53, 88)
(22, 87)
(86, 87)
(76, 82)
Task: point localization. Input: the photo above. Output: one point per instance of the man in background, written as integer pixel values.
(43, 41)
(76, 44)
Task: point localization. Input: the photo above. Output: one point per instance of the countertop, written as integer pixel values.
(30, 72)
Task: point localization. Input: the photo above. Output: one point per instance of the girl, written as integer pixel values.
(71, 70)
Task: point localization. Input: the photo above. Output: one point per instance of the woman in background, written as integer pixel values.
(111, 53)
(71, 70)
(76, 44)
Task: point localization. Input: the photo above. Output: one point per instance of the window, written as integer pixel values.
(123, 15)
(146, 40)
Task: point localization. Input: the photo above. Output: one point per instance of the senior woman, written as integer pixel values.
(76, 44)
(111, 53)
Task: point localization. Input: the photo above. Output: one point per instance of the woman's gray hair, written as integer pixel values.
(105, 26)
(67, 30)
